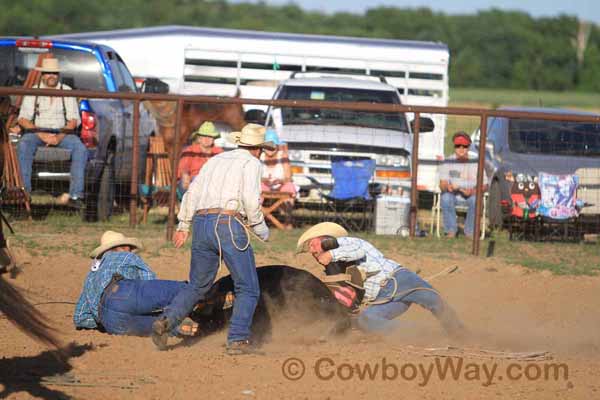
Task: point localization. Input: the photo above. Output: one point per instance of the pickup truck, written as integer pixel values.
(317, 136)
(521, 148)
(106, 124)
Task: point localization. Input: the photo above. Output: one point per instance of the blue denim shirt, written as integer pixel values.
(129, 265)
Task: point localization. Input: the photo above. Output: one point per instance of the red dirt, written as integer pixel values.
(507, 308)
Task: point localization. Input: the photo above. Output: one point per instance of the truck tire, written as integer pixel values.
(495, 214)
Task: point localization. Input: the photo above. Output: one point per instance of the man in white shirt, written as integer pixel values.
(223, 194)
(37, 115)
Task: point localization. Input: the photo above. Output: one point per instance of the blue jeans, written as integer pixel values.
(28, 146)
(205, 265)
(448, 205)
(131, 306)
(380, 317)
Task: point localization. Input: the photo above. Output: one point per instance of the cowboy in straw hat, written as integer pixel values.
(359, 273)
(221, 203)
(251, 136)
(194, 156)
(39, 113)
(121, 292)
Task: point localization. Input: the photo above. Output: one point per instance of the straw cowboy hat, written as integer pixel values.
(321, 229)
(111, 239)
(49, 65)
(252, 135)
(207, 129)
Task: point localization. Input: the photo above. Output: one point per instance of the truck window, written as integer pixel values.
(316, 116)
(554, 138)
(79, 69)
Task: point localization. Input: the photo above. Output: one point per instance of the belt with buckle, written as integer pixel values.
(212, 211)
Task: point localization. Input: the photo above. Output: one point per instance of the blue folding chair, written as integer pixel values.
(349, 203)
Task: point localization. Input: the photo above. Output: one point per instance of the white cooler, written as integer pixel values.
(392, 215)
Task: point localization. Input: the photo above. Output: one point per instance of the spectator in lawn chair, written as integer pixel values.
(41, 114)
(121, 293)
(458, 178)
(194, 156)
(375, 287)
(277, 173)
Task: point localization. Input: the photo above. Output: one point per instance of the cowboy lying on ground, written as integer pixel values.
(375, 287)
(216, 211)
(194, 156)
(121, 293)
(52, 113)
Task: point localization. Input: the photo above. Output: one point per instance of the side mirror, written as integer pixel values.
(155, 85)
(425, 125)
(255, 116)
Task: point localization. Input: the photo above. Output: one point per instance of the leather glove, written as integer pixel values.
(261, 230)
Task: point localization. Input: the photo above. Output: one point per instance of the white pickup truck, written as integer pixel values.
(317, 136)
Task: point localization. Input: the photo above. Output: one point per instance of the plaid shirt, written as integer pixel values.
(129, 265)
(368, 259)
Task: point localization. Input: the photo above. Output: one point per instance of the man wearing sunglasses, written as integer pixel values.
(458, 178)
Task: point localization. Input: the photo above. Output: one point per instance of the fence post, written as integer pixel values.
(479, 186)
(135, 162)
(174, 157)
(413, 179)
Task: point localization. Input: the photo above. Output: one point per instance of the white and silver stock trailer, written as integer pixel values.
(210, 61)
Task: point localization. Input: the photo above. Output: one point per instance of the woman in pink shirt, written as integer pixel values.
(277, 173)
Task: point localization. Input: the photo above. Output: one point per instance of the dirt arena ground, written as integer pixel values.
(507, 308)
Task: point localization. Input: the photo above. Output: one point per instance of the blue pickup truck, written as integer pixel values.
(106, 124)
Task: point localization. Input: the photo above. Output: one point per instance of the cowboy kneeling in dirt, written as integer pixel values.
(121, 293)
(362, 279)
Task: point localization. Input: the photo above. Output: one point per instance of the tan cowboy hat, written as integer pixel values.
(49, 65)
(207, 129)
(252, 135)
(111, 239)
(321, 229)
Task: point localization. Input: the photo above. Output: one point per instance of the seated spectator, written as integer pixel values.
(194, 156)
(458, 178)
(121, 293)
(41, 114)
(277, 173)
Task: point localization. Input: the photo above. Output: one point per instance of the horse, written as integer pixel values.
(193, 115)
(288, 295)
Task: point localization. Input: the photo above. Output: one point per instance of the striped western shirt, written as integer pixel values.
(368, 259)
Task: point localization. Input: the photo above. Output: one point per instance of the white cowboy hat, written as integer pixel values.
(321, 229)
(111, 239)
(49, 65)
(252, 135)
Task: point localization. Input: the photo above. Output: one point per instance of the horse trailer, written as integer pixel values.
(209, 61)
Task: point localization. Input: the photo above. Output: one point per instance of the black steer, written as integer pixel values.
(287, 294)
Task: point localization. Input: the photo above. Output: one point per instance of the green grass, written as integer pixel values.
(493, 98)
(41, 238)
